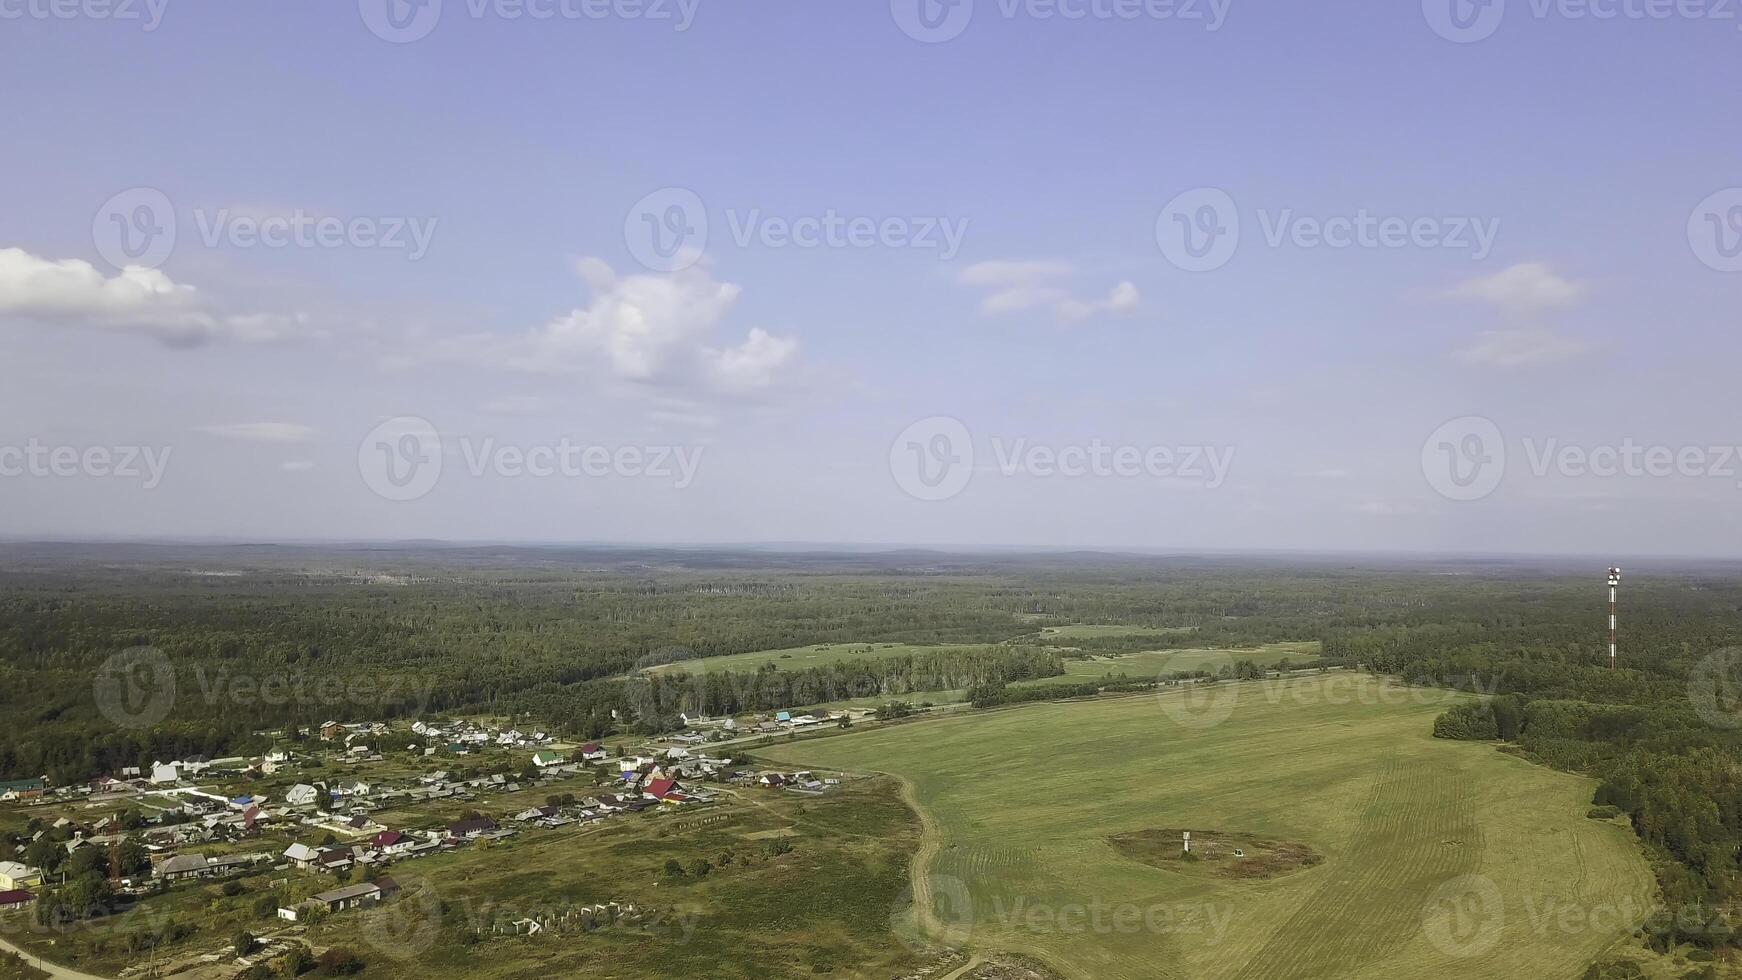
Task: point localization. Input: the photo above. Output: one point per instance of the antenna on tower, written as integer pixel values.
(1614, 583)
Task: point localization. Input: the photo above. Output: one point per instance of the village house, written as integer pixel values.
(199, 866)
(14, 876)
(594, 752)
(16, 899)
(341, 899)
(545, 760)
(470, 829)
(22, 789)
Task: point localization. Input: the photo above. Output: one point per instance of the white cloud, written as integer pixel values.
(73, 292)
(297, 465)
(752, 365)
(262, 431)
(648, 329)
(1123, 299)
(1523, 289)
(1023, 285)
(1520, 348)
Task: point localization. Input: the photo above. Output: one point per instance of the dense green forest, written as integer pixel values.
(264, 638)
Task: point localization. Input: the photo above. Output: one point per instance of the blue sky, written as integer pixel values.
(1595, 318)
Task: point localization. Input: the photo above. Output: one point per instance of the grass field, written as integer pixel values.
(1151, 664)
(817, 655)
(819, 905)
(1147, 663)
(1439, 859)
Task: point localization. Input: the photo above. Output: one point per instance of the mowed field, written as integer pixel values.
(1147, 663)
(1439, 859)
(816, 655)
(1150, 664)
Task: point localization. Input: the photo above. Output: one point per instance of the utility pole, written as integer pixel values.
(1614, 583)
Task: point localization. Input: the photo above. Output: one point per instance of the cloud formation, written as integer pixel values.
(1523, 293)
(655, 330)
(74, 293)
(261, 431)
(1521, 290)
(1023, 285)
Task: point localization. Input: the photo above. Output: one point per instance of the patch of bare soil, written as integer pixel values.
(1010, 968)
(1216, 853)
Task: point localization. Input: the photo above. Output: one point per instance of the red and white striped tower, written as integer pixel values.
(1614, 582)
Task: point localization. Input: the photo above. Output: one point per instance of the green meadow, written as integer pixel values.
(1150, 664)
(816, 655)
(1429, 858)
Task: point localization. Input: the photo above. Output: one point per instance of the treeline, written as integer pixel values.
(729, 692)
